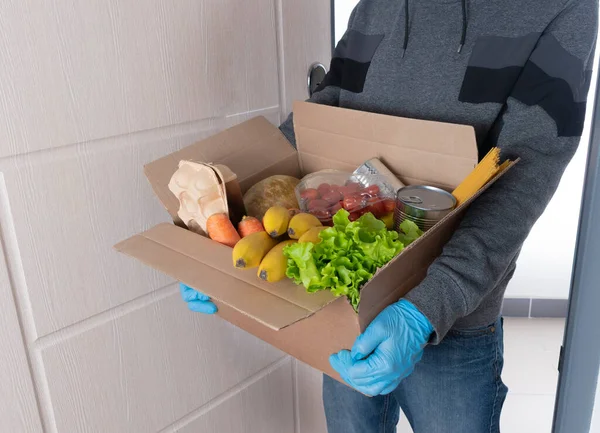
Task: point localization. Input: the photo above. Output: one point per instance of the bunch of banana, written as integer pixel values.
(265, 249)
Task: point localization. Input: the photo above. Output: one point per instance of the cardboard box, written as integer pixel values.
(309, 327)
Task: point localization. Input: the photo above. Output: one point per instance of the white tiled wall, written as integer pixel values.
(262, 406)
(89, 92)
(18, 407)
(156, 365)
(81, 71)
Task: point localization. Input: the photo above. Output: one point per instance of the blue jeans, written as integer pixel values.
(455, 388)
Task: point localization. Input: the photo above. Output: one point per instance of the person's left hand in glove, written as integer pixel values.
(387, 352)
(196, 301)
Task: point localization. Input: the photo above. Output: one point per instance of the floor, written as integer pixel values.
(531, 348)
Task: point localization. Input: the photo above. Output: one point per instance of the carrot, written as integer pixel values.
(220, 229)
(249, 225)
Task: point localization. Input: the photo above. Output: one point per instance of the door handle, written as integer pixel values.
(316, 75)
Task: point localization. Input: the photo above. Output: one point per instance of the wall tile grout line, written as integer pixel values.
(103, 317)
(152, 134)
(178, 129)
(253, 112)
(217, 401)
(16, 275)
(295, 396)
(281, 58)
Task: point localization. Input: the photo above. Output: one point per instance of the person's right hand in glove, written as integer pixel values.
(387, 352)
(197, 301)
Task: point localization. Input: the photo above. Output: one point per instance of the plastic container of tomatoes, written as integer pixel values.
(323, 194)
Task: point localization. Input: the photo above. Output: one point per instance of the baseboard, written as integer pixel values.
(535, 307)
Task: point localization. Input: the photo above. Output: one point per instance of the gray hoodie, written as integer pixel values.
(519, 72)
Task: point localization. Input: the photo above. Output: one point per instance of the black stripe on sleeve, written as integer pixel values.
(351, 61)
(554, 95)
(346, 74)
(483, 85)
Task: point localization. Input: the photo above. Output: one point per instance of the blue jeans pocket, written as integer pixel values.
(475, 332)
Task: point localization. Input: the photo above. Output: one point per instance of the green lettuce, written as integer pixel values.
(348, 255)
(410, 232)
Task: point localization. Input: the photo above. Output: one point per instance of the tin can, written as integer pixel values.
(423, 205)
(375, 166)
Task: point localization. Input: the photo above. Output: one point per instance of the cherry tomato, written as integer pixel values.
(335, 208)
(321, 214)
(324, 188)
(352, 203)
(364, 193)
(377, 209)
(346, 191)
(372, 190)
(332, 197)
(354, 216)
(389, 205)
(375, 206)
(309, 194)
(353, 186)
(317, 204)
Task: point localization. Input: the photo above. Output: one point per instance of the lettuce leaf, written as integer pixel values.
(302, 267)
(348, 255)
(410, 232)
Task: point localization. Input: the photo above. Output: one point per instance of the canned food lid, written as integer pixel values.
(426, 198)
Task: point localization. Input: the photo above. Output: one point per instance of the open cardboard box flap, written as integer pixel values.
(253, 150)
(417, 151)
(303, 324)
(205, 265)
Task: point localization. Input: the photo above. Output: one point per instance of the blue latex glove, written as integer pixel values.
(197, 301)
(387, 352)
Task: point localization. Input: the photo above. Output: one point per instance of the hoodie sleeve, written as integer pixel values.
(542, 123)
(327, 93)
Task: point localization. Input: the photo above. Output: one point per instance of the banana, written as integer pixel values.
(249, 251)
(273, 266)
(302, 223)
(276, 221)
(312, 235)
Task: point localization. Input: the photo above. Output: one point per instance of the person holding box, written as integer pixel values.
(519, 73)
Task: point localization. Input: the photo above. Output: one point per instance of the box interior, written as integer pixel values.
(416, 151)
